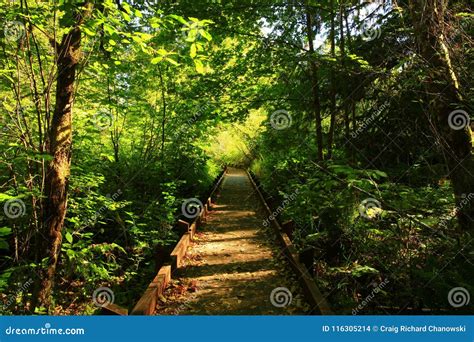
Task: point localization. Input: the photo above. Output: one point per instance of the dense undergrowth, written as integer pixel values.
(341, 108)
(409, 241)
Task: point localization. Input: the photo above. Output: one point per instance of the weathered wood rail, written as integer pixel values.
(311, 291)
(147, 303)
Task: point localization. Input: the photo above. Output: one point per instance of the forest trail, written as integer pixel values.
(231, 268)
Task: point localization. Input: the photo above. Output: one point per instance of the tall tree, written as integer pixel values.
(332, 95)
(314, 84)
(60, 144)
(432, 28)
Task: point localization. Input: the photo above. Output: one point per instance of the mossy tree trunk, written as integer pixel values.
(432, 28)
(60, 146)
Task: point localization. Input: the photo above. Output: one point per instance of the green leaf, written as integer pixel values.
(381, 173)
(88, 31)
(205, 34)
(4, 196)
(172, 61)
(199, 66)
(125, 16)
(69, 237)
(138, 13)
(192, 52)
(179, 18)
(4, 231)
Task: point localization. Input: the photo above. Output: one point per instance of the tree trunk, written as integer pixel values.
(60, 137)
(429, 21)
(333, 83)
(315, 86)
(343, 65)
(163, 120)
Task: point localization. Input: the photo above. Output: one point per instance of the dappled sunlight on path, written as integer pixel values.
(231, 268)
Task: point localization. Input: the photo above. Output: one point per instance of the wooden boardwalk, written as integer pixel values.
(233, 265)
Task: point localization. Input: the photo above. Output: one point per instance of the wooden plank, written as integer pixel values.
(165, 271)
(180, 251)
(311, 291)
(192, 230)
(147, 303)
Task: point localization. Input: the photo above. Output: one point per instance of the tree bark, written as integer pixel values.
(315, 86)
(332, 95)
(343, 65)
(58, 171)
(432, 28)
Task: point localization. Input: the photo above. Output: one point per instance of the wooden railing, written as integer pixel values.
(147, 303)
(310, 289)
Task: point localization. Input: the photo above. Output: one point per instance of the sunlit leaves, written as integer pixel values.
(69, 237)
(199, 66)
(164, 56)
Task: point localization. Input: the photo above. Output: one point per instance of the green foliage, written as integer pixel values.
(166, 97)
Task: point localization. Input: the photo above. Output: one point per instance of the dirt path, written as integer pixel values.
(231, 267)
